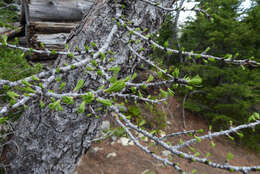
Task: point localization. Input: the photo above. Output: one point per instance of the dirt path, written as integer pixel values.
(110, 157)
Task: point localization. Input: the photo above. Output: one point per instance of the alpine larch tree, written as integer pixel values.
(64, 106)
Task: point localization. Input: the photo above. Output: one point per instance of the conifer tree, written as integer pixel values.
(229, 93)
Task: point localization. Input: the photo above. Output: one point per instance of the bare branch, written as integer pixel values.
(204, 56)
(178, 134)
(217, 134)
(158, 5)
(146, 149)
(184, 155)
(138, 98)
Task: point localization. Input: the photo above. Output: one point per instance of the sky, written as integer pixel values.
(189, 5)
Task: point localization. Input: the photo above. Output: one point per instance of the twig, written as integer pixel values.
(183, 103)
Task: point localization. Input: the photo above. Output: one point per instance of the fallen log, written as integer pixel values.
(51, 41)
(52, 27)
(57, 11)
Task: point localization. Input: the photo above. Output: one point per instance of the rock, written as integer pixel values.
(147, 171)
(131, 143)
(96, 149)
(114, 138)
(139, 135)
(145, 139)
(166, 153)
(162, 133)
(105, 125)
(112, 154)
(142, 137)
(125, 141)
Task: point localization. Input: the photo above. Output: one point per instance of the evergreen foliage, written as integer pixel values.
(228, 93)
(13, 64)
(7, 14)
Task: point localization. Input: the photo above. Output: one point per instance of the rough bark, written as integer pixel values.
(48, 141)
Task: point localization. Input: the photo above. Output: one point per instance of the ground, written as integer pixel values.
(111, 157)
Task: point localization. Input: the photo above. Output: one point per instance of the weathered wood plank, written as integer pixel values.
(58, 11)
(52, 27)
(52, 41)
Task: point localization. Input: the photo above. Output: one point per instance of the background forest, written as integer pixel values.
(229, 92)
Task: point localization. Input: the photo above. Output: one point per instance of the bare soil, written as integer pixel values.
(132, 160)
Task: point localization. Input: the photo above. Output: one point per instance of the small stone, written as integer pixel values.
(147, 171)
(96, 149)
(139, 135)
(144, 138)
(105, 125)
(168, 123)
(112, 154)
(166, 153)
(114, 138)
(125, 141)
(162, 133)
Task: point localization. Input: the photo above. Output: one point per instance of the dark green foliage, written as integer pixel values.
(13, 65)
(228, 92)
(229, 33)
(150, 117)
(7, 15)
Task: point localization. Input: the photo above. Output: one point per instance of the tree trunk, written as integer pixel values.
(48, 141)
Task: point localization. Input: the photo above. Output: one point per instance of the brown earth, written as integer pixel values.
(132, 160)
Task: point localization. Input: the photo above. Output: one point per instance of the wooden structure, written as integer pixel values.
(50, 21)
